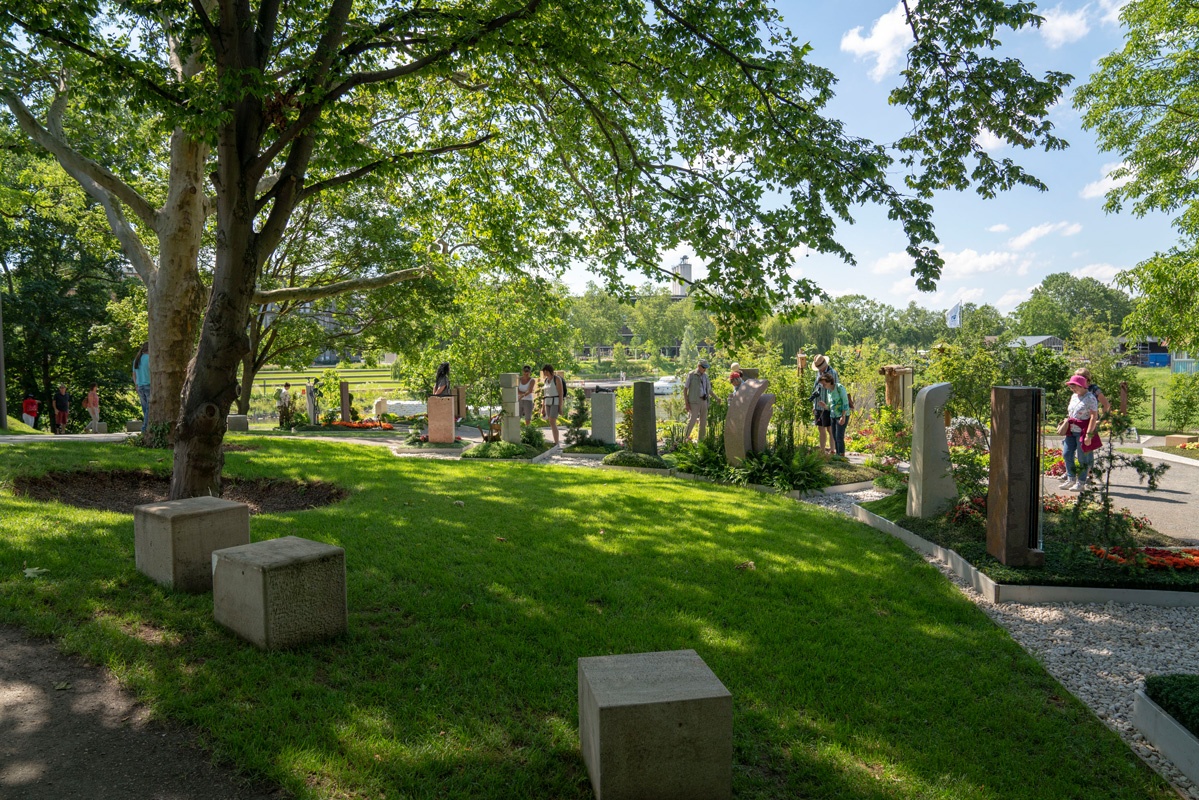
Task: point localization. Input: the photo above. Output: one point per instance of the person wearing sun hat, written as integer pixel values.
(820, 403)
(1082, 418)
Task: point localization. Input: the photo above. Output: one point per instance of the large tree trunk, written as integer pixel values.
(176, 296)
(247, 381)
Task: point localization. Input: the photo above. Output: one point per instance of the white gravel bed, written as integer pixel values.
(1100, 652)
(845, 501)
(567, 460)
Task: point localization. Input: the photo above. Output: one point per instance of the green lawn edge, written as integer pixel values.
(17, 427)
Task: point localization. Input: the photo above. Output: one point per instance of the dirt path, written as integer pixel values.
(67, 730)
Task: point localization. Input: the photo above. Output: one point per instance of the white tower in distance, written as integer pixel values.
(682, 270)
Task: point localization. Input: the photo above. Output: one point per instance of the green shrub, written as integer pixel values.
(1182, 396)
(627, 458)
(804, 472)
(532, 435)
(501, 450)
(1178, 695)
(701, 458)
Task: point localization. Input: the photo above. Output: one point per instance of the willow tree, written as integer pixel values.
(545, 130)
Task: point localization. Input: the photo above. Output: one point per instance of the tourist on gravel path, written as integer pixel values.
(553, 390)
(92, 404)
(838, 408)
(29, 408)
(697, 390)
(524, 393)
(141, 379)
(62, 409)
(1082, 418)
(820, 403)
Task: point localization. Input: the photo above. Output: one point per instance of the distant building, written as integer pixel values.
(680, 285)
(1049, 342)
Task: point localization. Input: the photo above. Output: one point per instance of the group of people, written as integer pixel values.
(553, 393)
(30, 407)
(831, 403)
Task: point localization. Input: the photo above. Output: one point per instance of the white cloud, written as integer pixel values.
(1105, 184)
(964, 295)
(989, 141)
(892, 263)
(1013, 298)
(889, 38)
(970, 262)
(1040, 231)
(1100, 272)
(1063, 27)
(1111, 11)
(1000, 228)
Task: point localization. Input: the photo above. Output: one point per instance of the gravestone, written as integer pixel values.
(739, 420)
(645, 419)
(345, 401)
(238, 422)
(281, 592)
(173, 541)
(930, 486)
(655, 725)
(380, 407)
(1179, 439)
(509, 407)
(1014, 493)
(760, 427)
(441, 419)
(101, 427)
(459, 401)
(310, 402)
(133, 426)
(603, 417)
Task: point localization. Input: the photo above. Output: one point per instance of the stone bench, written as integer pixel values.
(281, 592)
(238, 422)
(173, 541)
(655, 725)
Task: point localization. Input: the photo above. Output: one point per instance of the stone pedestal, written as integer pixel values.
(510, 407)
(173, 541)
(133, 426)
(603, 417)
(441, 419)
(1014, 494)
(655, 725)
(380, 407)
(930, 486)
(510, 429)
(314, 414)
(645, 419)
(101, 427)
(282, 592)
(238, 422)
(345, 401)
(739, 421)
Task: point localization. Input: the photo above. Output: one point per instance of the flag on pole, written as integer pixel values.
(953, 317)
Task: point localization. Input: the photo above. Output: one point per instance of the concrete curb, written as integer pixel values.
(1165, 733)
(592, 456)
(547, 455)
(1026, 595)
(1169, 457)
(664, 473)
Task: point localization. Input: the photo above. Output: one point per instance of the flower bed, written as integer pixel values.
(1052, 462)
(1150, 557)
(363, 425)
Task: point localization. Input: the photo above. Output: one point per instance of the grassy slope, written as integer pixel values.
(16, 428)
(1153, 377)
(856, 669)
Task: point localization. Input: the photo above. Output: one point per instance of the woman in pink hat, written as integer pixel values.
(1082, 419)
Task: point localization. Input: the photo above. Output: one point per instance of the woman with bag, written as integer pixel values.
(553, 393)
(1079, 429)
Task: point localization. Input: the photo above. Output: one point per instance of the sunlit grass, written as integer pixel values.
(856, 670)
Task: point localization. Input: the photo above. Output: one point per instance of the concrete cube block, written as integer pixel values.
(239, 422)
(508, 395)
(655, 725)
(173, 541)
(511, 409)
(133, 426)
(509, 380)
(1179, 439)
(101, 427)
(441, 419)
(510, 429)
(281, 592)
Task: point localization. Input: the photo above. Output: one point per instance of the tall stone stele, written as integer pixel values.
(1014, 494)
(645, 419)
(509, 407)
(930, 486)
(603, 417)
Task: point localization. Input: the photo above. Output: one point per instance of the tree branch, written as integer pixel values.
(304, 294)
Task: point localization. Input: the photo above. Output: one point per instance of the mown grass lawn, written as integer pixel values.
(856, 670)
(17, 427)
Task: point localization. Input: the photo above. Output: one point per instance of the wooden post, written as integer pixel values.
(1123, 397)
(801, 363)
(1153, 415)
(345, 401)
(1014, 499)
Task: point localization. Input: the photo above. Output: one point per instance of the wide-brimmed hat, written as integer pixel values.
(1077, 380)
(819, 361)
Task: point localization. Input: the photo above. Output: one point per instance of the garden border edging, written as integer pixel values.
(1024, 594)
(1170, 457)
(1166, 734)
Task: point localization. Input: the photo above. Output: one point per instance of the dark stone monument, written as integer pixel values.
(345, 401)
(1014, 495)
(645, 419)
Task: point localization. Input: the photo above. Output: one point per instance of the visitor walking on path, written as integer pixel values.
(524, 393)
(697, 389)
(553, 389)
(838, 408)
(820, 403)
(1078, 428)
(92, 404)
(62, 409)
(29, 407)
(141, 379)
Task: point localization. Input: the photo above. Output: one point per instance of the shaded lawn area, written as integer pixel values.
(17, 427)
(856, 669)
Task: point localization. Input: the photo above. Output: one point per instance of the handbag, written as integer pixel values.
(1063, 427)
(1088, 445)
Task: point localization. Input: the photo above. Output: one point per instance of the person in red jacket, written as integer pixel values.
(29, 409)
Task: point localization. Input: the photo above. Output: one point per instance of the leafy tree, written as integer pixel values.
(979, 321)
(620, 357)
(973, 367)
(813, 332)
(858, 318)
(1062, 298)
(917, 328)
(596, 317)
(1039, 366)
(536, 132)
(1182, 395)
(1141, 106)
(1091, 345)
(651, 317)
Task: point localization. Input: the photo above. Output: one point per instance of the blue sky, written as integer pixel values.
(995, 250)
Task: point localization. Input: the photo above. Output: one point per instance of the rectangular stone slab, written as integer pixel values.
(282, 592)
(239, 422)
(173, 541)
(655, 725)
(509, 380)
(603, 417)
(508, 395)
(510, 429)
(645, 419)
(1179, 439)
(441, 419)
(510, 409)
(133, 426)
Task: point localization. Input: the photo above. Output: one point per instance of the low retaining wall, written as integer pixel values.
(1028, 595)
(1166, 734)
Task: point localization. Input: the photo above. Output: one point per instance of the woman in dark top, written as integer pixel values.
(441, 386)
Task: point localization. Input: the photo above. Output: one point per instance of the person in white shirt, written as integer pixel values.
(524, 393)
(697, 393)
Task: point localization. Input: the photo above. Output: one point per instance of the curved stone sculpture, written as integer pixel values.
(738, 423)
(930, 486)
(761, 424)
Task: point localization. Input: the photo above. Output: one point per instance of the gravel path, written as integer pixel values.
(1101, 653)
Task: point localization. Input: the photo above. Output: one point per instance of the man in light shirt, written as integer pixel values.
(697, 393)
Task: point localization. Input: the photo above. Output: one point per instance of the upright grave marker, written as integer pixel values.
(645, 419)
(441, 419)
(510, 407)
(345, 401)
(310, 401)
(747, 420)
(603, 417)
(1014, 494)
(931, 488)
